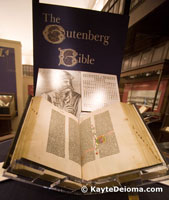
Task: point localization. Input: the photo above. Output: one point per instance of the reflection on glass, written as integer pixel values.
(5, 100)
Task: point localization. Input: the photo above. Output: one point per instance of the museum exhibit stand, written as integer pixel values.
(124, 144)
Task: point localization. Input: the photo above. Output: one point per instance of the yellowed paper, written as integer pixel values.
(126, 151)
(37, 140)
(111, 140)
(2, 178)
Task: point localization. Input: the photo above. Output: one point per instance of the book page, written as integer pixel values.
(86, 137)
(115, 148)
(139, 129)
(61, 88)
(48, 136)
(2, 178)
(98, 90)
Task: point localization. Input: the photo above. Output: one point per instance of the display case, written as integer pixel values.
(38, 175)
(7, 113)
(7, 106)
(146, 86)
(11, 83)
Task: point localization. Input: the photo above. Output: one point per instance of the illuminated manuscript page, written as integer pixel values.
(111, 140)
(111, 146)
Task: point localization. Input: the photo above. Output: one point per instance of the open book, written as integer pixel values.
(105, 142)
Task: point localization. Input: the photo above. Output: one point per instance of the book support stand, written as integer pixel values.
(42, 176)
(37, 175)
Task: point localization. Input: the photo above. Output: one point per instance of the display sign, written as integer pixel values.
(77, 39)
(77, 91)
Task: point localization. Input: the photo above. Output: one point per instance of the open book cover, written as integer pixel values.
(109, 141)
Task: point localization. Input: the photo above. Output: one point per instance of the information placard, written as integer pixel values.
(77, 39)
